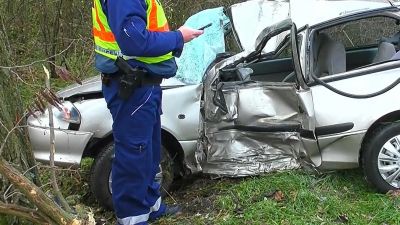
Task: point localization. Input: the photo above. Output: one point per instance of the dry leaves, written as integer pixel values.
(42, 99)
(276, 195)
(394, 193)
(64, 74)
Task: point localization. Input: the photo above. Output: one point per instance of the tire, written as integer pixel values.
(100, 184)
(375, 168)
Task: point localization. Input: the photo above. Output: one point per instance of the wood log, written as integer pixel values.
(36, 196)
(23, 212)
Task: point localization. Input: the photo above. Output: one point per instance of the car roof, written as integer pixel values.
(312, 12)
(260, 14)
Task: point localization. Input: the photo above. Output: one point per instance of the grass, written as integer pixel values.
(341, 197)
(291, 197)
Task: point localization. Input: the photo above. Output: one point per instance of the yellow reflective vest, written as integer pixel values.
(104, 40)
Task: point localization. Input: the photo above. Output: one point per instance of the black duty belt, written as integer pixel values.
(146, 78)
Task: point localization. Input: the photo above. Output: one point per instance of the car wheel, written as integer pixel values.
(100, 185)
(381, 158)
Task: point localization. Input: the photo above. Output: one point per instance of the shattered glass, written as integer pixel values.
(198, 54)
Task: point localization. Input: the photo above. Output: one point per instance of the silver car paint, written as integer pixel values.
(341, 151)
(69, 145)
(69, 151)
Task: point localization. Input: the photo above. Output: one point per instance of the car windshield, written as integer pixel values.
(198, 54)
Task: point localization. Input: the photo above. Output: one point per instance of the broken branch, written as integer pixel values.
(23, 212)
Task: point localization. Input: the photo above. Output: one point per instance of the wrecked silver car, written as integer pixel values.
(319, 94)
(323, 96)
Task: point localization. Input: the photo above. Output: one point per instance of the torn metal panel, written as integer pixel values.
(258, 104)
(249, 127)
(237, 153)
(252, 104)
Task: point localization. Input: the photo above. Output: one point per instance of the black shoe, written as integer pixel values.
(169, 211)
(172, 210)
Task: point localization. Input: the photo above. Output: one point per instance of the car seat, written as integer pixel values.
(329, 56)
(385, 52)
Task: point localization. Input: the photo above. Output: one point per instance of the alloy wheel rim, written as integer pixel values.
(389, 161)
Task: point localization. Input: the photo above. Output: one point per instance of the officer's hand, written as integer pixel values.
(189, 34)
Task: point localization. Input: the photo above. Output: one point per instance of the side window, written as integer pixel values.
(363, 33)
(354, 44)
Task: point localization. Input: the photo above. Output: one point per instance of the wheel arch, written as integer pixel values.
(388, 118)
(175, 150)
(169, 141)
(95, 145)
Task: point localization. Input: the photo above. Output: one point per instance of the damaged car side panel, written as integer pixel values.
(256, 135)
(336, 147)
(250, 127)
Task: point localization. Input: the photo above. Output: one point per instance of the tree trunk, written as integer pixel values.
(11, 111)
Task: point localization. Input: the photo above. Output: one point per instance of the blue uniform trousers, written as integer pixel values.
(137, 138)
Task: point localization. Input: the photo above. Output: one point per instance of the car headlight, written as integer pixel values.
(68, 113)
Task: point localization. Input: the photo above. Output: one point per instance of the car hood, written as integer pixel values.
(259, 14)
(93, 85)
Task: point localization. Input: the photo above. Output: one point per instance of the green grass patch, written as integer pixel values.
(336, 198)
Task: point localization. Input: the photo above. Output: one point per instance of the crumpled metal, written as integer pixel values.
(226, 150)
(235, 153)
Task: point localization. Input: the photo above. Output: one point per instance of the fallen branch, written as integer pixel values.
(23, 212)
(36, 196)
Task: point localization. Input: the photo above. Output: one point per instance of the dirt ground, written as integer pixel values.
(196, 195)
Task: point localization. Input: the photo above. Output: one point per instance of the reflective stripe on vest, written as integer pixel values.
(105, 43)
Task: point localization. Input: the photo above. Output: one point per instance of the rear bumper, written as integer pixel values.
(69, 145)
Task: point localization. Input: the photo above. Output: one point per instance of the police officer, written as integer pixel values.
(136, 30)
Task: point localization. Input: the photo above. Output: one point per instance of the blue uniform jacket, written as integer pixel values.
(128, 20)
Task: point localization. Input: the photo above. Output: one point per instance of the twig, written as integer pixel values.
(2, 124)
(44, 185)
(56, 189)
(10, 131)
(8, 135)
(11, 194)
(38, 61)
(22, 80)
(169, 195)
(61, 169)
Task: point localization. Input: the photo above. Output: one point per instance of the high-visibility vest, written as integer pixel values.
(104, 40)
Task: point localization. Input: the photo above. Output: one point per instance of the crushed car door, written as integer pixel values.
(253, 126)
